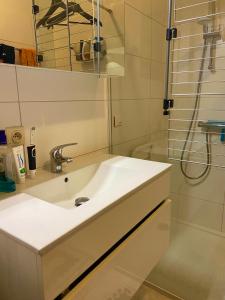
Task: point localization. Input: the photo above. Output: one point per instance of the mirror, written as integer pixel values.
(77, 35)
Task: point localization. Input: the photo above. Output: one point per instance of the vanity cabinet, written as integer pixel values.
(119, 247)
(121, 274)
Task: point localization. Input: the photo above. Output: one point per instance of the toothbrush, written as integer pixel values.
(31, 154)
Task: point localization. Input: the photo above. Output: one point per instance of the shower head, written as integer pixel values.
(205, 21)
(209, 29)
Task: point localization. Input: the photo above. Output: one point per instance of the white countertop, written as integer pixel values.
(37, 223)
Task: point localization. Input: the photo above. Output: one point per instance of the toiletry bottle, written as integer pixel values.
(3, 150)
(7, 183)
(31, 154)
(18, 154)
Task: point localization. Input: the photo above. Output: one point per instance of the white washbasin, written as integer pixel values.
(105, 181)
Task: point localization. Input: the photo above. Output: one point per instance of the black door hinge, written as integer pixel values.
(35, 9)
(167, 104)
(97, 47)
(40, 58)
(171, 33)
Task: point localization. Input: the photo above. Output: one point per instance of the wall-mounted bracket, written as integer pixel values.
(40, 58)
(35, 9)
(171, 33)
(167, 104)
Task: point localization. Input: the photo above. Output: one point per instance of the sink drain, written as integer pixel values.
(80, 201)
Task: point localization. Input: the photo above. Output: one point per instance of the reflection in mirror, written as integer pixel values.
(72, 43)
(17, 42)
(79, 35)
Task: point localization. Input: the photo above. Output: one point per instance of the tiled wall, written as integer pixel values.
(137, 102)
(63, 106)
(137, 98)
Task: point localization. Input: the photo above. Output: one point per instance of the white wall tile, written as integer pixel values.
(53, 85)
(212, 189)
(134, 115)
(127, 148)
(157, 80)
(159, 141)
(143, 6)
(8, 90)
(84, 122)
(159, 11)
(175, 205)
(138, 38)
(10, 115)
(158, 121)
(136, 83)
(158, 42)
(223, 224)
(200, 212)
(141, 40)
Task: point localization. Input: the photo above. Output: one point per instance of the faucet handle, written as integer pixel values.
(58, 149)
(61, 147)
(57, 158)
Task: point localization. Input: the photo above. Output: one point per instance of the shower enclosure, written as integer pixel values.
(194, 118)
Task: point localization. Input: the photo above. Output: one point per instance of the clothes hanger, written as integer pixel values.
(73, 7)
(54, 6)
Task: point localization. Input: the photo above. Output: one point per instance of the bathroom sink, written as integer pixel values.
(105, 181)
(106, 220)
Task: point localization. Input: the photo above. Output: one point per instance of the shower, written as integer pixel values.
(210, 35)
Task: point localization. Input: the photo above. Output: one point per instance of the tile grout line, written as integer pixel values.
(18, 97)
(199, 198)
(147, 16)
(130, 140)
(222, 220)
(61, 101)
(162, 291)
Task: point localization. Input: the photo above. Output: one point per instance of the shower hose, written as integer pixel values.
(193, 122)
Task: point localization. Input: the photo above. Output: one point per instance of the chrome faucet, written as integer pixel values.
(57, 158)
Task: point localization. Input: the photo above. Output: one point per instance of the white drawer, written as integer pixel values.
(121, 274)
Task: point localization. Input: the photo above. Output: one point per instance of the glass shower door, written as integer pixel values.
(194, 265)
